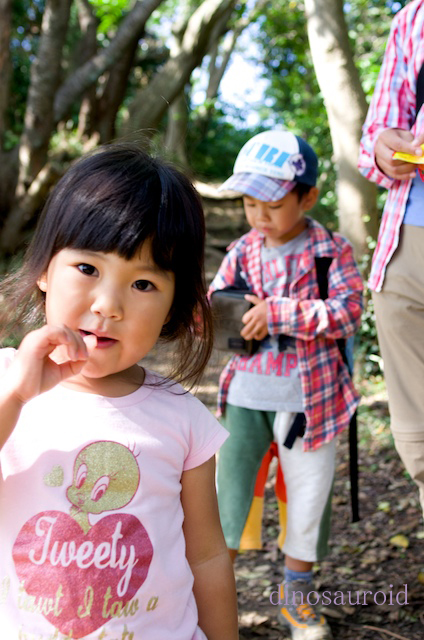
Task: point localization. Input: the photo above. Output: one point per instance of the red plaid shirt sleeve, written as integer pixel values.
(226, 273)
(393, 103)
(337, 317)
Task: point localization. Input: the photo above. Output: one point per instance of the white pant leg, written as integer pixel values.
(308, 478)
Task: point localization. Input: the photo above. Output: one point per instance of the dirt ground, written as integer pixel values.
(383, 552)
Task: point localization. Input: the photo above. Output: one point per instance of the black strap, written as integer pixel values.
(353, 467)
(297, 430)
(239, 281)
(322, 265)
(419, 91)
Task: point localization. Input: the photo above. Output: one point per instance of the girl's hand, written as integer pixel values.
(255, 320)
(45, 358)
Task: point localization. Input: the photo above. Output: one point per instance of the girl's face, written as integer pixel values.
(124, 303)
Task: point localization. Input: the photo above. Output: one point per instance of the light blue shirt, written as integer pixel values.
(414, 212)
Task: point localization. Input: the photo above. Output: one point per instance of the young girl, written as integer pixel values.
(109, 524)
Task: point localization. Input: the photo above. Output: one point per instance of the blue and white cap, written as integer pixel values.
(270, 164)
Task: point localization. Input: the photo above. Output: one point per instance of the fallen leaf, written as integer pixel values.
(400, 540)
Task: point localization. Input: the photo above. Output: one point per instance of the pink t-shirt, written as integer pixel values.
(91, 520)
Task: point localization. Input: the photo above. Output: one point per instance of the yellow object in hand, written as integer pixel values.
(409, 157)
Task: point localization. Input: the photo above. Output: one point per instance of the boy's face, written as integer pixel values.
(282, 220)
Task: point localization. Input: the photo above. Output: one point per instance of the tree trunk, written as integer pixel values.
(45, 76)
(46, 105)
(87, 50)
(114, 92)
(132, 25)
(38, 125)
(25, 207)
(176, 132)
(218, 62)
(151, 103)
(5, 27)
(8, 169)
(346, 107)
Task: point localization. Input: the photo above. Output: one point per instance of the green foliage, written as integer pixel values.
(109, 14)
(368, 352)
(26, 28)
(212, 152)
(368, 23)
(294, 99)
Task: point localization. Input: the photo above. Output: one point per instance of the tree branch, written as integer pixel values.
(150, 104)
(132, 25)
(216, 72)
(25, 208)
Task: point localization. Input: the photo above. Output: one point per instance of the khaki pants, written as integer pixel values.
(399, 309)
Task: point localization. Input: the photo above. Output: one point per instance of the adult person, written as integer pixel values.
(395, 122)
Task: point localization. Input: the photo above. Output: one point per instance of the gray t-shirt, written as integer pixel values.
(269, 380)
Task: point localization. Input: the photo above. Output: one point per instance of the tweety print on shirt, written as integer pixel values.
(80, 573)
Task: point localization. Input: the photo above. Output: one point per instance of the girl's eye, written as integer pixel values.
(143, 285)
(87, 269)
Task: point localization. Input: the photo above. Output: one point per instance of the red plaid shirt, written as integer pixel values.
(393, 106)
(328, 394)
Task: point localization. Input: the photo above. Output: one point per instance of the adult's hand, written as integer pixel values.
(392, 140)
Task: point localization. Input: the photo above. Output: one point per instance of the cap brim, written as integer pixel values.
(258, 186)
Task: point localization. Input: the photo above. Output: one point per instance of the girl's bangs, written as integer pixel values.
(115, 221)
(106, 229)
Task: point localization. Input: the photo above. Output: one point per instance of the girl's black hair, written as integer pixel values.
(113, 200)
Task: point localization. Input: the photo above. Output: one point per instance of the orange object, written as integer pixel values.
(252, 533)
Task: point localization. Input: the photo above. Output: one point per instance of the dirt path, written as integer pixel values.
(363, 557)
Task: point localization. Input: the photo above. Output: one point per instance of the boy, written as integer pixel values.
(297, 378)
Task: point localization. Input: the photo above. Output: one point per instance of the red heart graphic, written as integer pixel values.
(81, 580)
